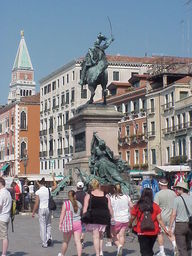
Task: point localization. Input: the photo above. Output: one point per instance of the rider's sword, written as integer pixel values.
(110, 26)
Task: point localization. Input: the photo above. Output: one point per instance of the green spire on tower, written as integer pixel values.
(22, 60)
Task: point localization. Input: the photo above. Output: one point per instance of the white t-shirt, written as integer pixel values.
(5, 205)
(31, 189)
(43, 194)
(120, 205)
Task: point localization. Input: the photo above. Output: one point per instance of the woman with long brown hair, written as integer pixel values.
(70, 223)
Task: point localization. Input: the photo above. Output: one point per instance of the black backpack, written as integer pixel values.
(147, 223)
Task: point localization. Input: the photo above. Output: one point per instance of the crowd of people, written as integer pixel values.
(159, 212)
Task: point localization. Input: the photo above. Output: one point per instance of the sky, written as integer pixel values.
(58, 31)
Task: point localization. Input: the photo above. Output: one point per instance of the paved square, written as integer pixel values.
(26, 241)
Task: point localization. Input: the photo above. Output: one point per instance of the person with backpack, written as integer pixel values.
(181, 214)
(80, 196)
(5, 211)
(42, 205)
(70, 223)
(148, 217)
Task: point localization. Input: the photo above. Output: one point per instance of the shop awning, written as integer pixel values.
(4, 167)
(135, 172)
(172, 168)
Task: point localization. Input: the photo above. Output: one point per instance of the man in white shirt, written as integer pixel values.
(42, 203)
(5, 210)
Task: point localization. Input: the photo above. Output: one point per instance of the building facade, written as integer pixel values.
(20, 119)
(19, 136)
(168, 118)
(133, 127)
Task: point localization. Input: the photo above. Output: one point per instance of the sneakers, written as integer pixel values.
(161, 254)
(60, 254)
(101, 254)
(49, 242)
(44, 246)
(119, 250)
(108, 244)
(176, 252)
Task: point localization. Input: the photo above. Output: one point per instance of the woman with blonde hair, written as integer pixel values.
(70, 223)
(101, 211)
(121, 205)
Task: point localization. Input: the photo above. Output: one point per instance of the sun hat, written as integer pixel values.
(182, 184)
(80, 184)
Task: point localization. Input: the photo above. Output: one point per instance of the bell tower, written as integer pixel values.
(22, 79)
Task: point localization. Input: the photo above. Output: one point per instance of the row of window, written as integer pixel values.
(136, 156)
(134, 106)
(25, 92)
(56, 84)
(53, 164)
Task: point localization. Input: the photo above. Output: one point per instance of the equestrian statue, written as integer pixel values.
(94, 67)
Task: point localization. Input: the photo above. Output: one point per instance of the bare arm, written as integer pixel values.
(62, 216)
(159, 219)
(54, 184)
(86, 203)
(36, 205)
(110, 206)
(172, 219)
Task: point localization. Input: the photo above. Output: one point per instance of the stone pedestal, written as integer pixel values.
(99, 118)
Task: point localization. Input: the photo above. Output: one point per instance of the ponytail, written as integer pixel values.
(71, 196)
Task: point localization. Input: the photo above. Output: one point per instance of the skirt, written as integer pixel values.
(99, 227)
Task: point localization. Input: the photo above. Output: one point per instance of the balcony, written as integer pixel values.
(168, 106)
(151, 111)
(50, 130)
(151, 134)
(66, 151)
(66, 127)
(43, 154)
(43, 132)
(55, 107)
(59, 151)
(59, 128)
(51, 153)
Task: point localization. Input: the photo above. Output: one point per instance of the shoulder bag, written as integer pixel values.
(188, 213)
(51, 204)
(67, 225)
(87, 216)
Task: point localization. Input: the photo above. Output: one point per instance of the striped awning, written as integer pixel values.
(4, 167)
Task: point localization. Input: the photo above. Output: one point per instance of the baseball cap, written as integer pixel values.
(80, 184)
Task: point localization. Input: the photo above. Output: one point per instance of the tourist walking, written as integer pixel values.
(80, 196)
(150, 182)
(182, 209)
(165, 199)
(70, 223)
(148, 217)
(101, 211)
(42, 205)
(121, 205)
(5, 210)
(17, 192)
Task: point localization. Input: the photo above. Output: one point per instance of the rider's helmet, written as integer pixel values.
(101, 36)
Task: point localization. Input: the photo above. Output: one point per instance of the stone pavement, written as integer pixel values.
(25, 241)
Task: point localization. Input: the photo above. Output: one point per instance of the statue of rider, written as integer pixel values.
(93, 56)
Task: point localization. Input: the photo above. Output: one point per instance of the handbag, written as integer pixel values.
(188, 213)
(67, 224)
(87, 216)
(51, 204)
